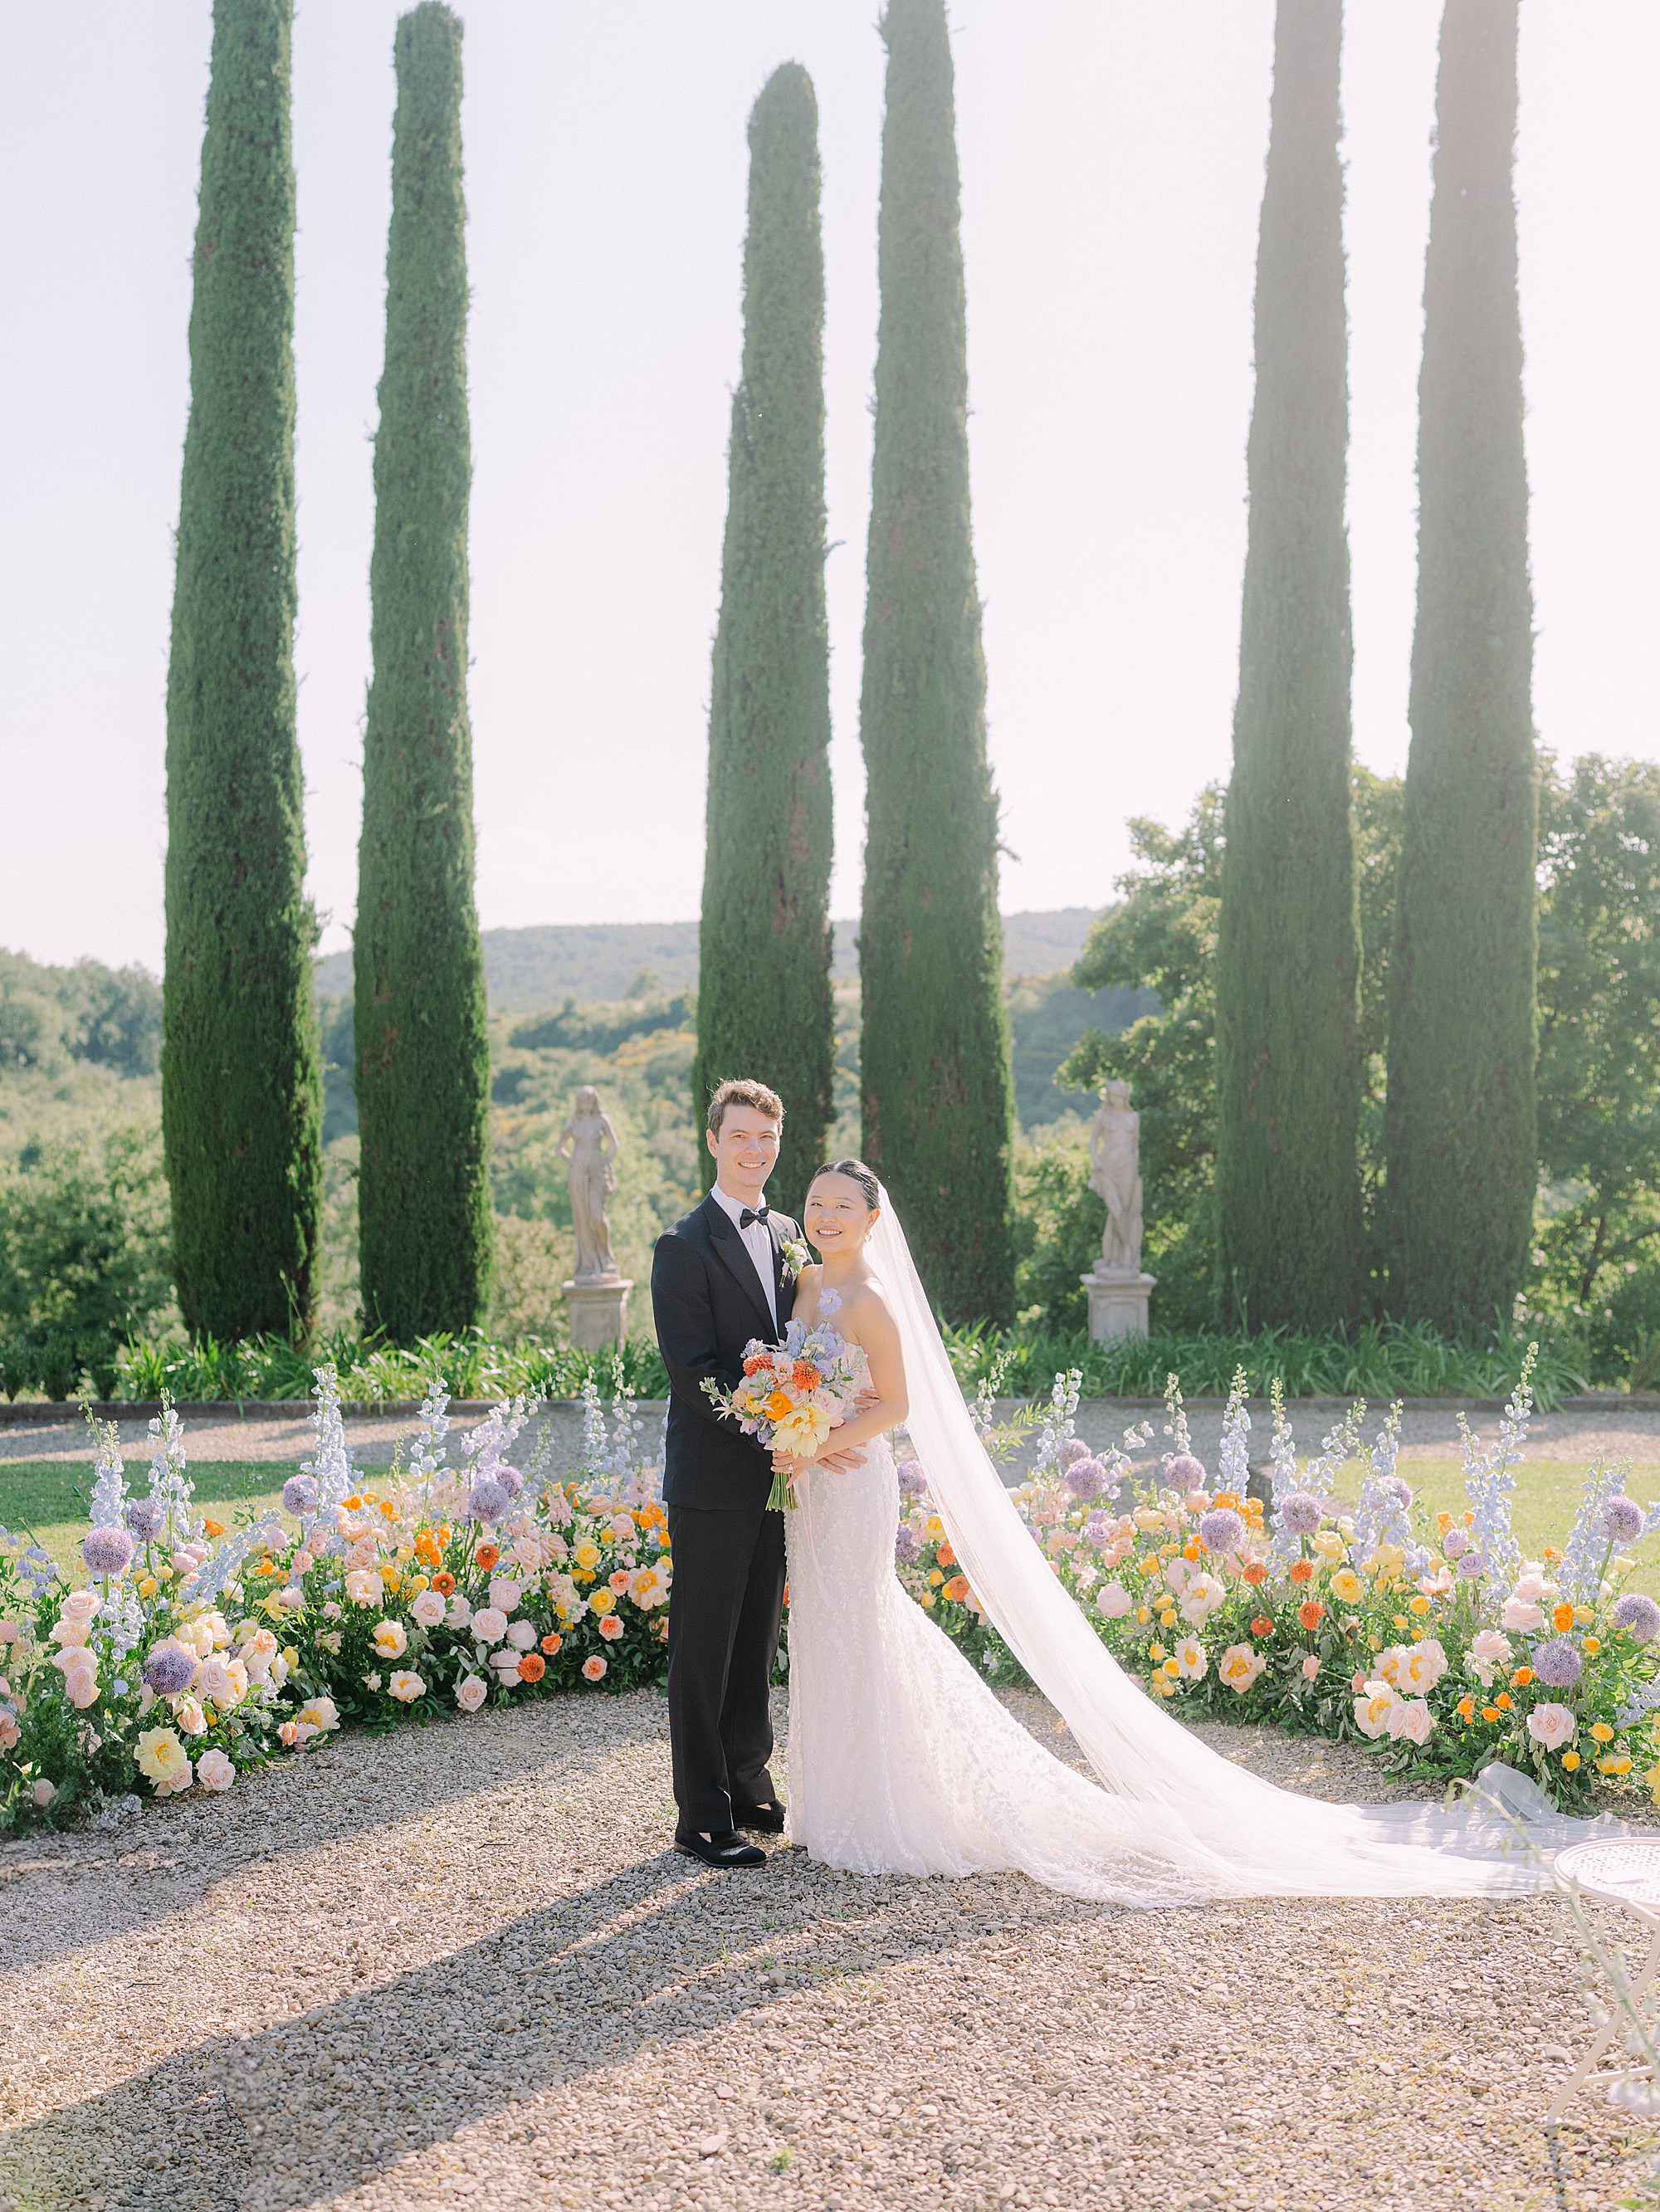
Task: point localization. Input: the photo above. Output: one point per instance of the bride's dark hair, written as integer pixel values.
(856, 1171)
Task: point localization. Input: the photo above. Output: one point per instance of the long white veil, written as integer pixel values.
(1222, 1830)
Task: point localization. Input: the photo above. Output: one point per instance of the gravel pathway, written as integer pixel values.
(458, 1968)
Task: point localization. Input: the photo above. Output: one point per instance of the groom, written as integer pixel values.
(718, 1278)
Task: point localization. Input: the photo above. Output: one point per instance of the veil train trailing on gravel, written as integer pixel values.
(1202, 1826)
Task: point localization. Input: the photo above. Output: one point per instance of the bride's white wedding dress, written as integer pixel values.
(901, 1761)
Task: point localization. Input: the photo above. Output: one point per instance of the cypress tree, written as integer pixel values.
(422, 1048)
(241, 1088)
(1460, 1118)
(1288, 946)
(764, 1007)
(934, 1060)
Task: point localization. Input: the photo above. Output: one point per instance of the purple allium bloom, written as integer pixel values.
(1085, 1478)
(1455, 1544)
(1299, 1511)
(1638, 1615)
(913, 1483)
(170, 1670)
(1221, 1529)
(299, 1496)
(145, 1517)
(1097, 1528)
(489, 1501)
(1557, 1664)
(106, 1551)
(1185, 1473)
(510, 1480)
(1072, 1451)
(1472, 1566)
(1397, 1488)
(906, 1542)
(1623, 1520)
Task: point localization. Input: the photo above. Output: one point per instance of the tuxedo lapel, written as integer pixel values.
(775, 1229)
(730, 1249)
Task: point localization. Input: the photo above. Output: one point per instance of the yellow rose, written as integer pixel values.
(1156, 1651)
(928, 1598)
(1421, 1606)
(149, 1587)
(1172, 1668)
(602, 1602)
(161, 1757)
(936, 1578)
(587, 1554)
(1601, 1732)
(1143, 1615)
(390, 1576)
(1347, 1587)
(1593, 1645)
(1571, 1759)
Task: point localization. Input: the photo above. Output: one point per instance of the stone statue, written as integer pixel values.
(588, 1143)
(1115, 1172)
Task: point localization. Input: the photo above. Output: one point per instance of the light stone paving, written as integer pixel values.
(457, 1967)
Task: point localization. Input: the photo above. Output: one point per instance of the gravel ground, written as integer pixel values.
(460, 1968)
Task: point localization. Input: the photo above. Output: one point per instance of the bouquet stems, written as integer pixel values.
(781, 1497)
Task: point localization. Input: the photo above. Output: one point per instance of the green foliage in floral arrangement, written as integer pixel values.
(1288, 947)
(240, 1091)
(935, 1086)
(763, 994)
(1461, 1121)
(422, 1048)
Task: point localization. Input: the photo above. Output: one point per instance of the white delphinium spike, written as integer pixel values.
(593, 1426)
(429, 1451)
(170, 1483)
(1057, 1428)
(1489, 1483)
(1175, 1419)
(225, 1565)
(1383, 1516)
(1233, 1455)
(1589, 1548)
(330, 1465)
(109, 1486)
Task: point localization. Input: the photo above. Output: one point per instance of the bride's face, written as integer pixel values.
(838, 1217)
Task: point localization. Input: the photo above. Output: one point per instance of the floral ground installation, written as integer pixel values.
(192, 1653)
(1428, 1637)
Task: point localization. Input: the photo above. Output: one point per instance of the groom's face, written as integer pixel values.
(745, 1149)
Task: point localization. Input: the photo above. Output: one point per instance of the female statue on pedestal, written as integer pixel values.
(588, 1144)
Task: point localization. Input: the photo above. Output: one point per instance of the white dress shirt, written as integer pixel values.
(757, 1243)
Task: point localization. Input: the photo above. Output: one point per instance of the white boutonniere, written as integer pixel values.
(795, 1256)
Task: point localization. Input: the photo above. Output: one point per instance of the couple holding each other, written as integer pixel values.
(901, 1759)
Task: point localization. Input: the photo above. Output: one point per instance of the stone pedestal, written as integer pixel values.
(599, 1311)
(1118, 1302)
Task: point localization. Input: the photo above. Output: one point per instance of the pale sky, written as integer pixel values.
(1112, 157)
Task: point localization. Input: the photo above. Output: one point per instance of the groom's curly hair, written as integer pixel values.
(743, 1091)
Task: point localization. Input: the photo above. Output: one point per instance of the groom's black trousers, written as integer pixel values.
(725, 1602)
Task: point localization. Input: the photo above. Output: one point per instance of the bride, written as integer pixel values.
(901, 1759)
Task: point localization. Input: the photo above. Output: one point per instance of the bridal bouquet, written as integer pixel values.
(794, 1394)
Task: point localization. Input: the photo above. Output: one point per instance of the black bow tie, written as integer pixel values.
(747, 1216)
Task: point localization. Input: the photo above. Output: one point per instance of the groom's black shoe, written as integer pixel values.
(764, 1820)
(720, 1850)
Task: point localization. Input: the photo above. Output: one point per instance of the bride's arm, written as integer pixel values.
(879, 1335)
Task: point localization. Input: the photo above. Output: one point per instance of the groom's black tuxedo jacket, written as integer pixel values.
(709, 1302)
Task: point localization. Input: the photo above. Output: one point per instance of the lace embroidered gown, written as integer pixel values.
(901, 1759)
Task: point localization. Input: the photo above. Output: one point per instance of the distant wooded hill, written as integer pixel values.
(530, 970)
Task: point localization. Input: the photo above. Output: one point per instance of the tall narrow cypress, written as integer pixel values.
(763, 995)
(1288, 944)
(934, 1063)
(241, 1087)
(422, 1046)
(1460, 1119)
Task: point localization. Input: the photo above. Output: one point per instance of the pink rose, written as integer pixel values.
(82, 1687)
(505, 1594)
(43, 1791)
(1310, 1668)
(288, 1733)
(214, 1770)
(470, 1693)
(611, 1628)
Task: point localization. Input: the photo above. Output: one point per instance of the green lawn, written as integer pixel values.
(49, 1499)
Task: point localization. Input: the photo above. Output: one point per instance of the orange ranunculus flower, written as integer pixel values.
(778, 1405)
(213, 1527)
(1262, 1626)
(1191, 1549)
(1255, 1572)
(388, 1510)
(1311, 1613)
(426, 1548)
(551, 1643)
(444, 1584)
(1490, 1713)
(1228, 1498)
(1552, 1555)
(1444, 1522)
(532, 1667)
(1521, 1678)
(1562, 1619)
(1467, 1708)
(957, 1588)
(1302, 1570)
(266, 1567)
(1503, 1701)
(805, 1376)
(352, 1504)
(486, 1556)
(945, 1556)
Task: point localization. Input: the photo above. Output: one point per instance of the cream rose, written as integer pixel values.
(1410, 1719)
(489, 1624)
(428, 1610)
(1552, 1725)
(470, 1693)
(214, 1770)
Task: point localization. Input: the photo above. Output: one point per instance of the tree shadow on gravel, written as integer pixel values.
(661, 1951)
(166, 1861)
